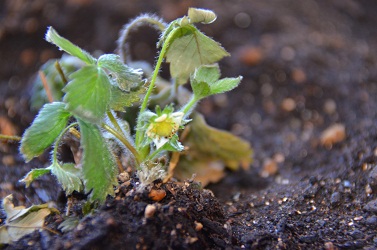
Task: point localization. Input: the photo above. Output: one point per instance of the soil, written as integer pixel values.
(308, 66)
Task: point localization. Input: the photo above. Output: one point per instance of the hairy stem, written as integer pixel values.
(45, 86)
(10, 138)
(114, 121)
(144, 105)
(123, 47)
(125, 142)
(61, 72)
(189, 107)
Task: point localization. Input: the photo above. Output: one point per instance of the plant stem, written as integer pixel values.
(10, 138)
(61, 72)
(123, 47)
(124, 141)
(114, 121)
(154, 154)
(151, 85)
(187, 109)
(45, 86)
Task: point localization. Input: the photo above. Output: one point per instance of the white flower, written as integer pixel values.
(163, 127)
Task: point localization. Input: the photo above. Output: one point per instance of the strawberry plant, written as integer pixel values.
(94, 103)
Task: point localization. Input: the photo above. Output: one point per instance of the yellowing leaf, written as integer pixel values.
(210, 147)
(205, 170)
(190, 49)
(34, 174)
(22, 221)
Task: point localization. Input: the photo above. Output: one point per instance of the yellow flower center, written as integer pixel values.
(162, 126)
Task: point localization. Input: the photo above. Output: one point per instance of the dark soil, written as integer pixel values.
(307, 65)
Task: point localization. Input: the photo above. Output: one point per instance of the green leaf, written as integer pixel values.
(207, 143)
(204, 82)
(225, 85)
(207, 73)
(126, 77)
(53, 37)
(121, 99)
(197, 15)
(202, 78)
(98, 164)
(48, 124)
(34, 174)
(200, 89)
(68, 176)
(22, 221)
(190, 49)
(88, 94)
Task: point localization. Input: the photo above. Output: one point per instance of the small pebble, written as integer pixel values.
(335, 199)
(149, 211)
(298, 75)
(270, 167)
(157, 194)
(372, 220)
(371, 206)
(8, 160)
(250, 55)
(329, 106)
(329, 246)
(347, 184)
(357, 234)
(288, 104)
(124, 176)
(333, 134)
(372, 179)
(198, 226)
(322, 223)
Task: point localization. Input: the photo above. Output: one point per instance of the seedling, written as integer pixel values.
(94, 106)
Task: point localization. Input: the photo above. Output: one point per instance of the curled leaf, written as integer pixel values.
(33, 175)
(197, 15)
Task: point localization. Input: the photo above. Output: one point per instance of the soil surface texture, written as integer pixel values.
(307, 104)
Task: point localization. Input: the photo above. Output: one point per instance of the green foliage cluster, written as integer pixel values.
(101, 91)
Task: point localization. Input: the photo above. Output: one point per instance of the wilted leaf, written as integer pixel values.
(68, 176)
(34, 174)
(208, 146)
(126, 77)
(190, 49)
(206, 171)
(88, 93)
(98, 165)
(53, 37)
(22, 221)
(48, 124)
